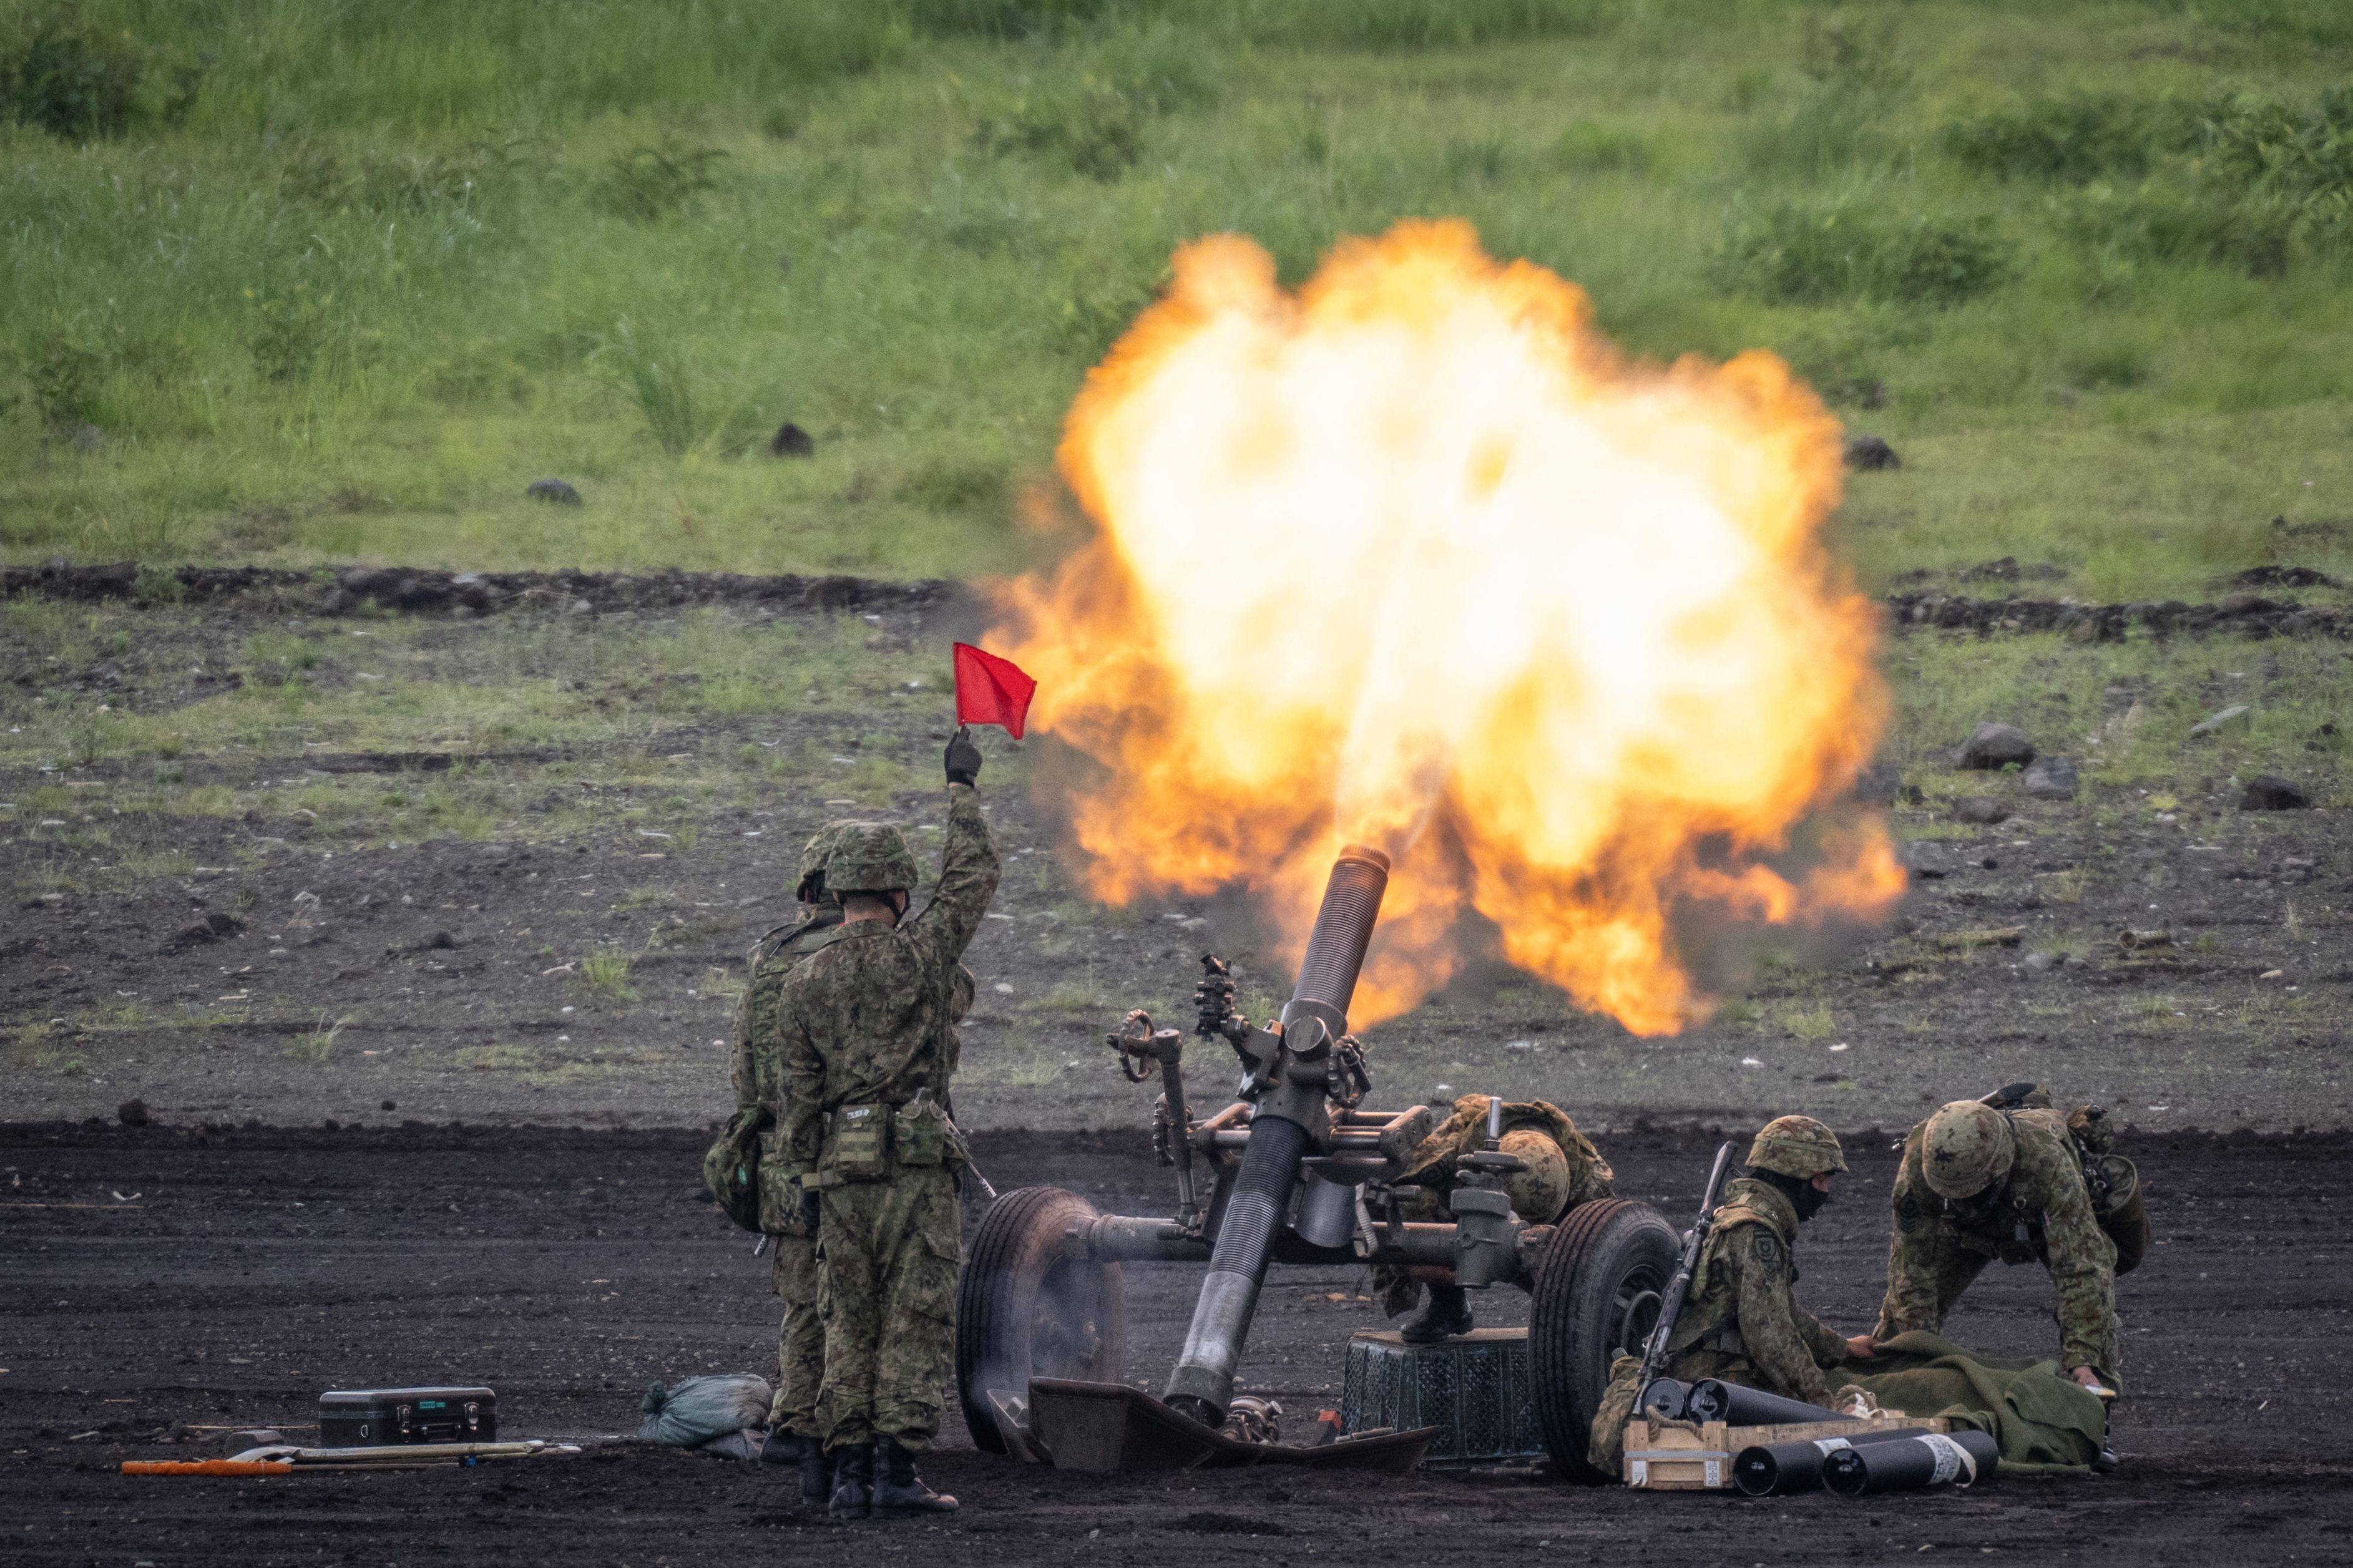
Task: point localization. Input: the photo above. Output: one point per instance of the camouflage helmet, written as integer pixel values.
(1539, 1193)
(1968, 1148)
(810, 881)
(1797, 1146)
(869, 858)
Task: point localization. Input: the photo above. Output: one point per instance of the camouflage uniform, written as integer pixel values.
(867, 1023)
(757, 1075)
(2042, 1212)
(1741, 1321)
(1539, 1201)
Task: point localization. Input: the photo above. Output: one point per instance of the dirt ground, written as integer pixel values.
(417, 836)
(158, 1286)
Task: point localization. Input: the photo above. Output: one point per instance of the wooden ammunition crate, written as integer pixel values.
(1697, 1457)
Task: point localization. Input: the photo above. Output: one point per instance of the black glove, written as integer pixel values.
(809, 1210)
(962, 758)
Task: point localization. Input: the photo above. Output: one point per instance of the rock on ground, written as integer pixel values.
(2269, 792)
(1871, 452)
(2051, 778)
(1991, 746)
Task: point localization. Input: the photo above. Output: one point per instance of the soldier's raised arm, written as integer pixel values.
(968, 864)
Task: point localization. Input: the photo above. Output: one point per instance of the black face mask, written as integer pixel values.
(1806, 1199)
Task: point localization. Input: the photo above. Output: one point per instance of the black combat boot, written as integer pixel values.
(853, 1482)
(808, 1455)
(1445, 1314)
(899, 1492)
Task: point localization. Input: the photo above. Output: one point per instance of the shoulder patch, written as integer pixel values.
(1764, 1246)
(1907, 1212)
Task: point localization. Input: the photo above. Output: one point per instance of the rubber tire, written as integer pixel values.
(1024, 1243)
(1575, 1317)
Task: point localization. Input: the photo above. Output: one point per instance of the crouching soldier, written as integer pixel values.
(1564, 1169)
(1981, 1183)
(870, 1046)
(1741, 1321)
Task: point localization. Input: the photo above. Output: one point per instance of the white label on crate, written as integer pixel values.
(1642, 1473)
(1715, 1472)
(1832, 1444)
(1952, 1459)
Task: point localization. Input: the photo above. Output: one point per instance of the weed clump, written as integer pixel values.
(1793, 254)
(76, 79)
(650, 182)
(2077, 138)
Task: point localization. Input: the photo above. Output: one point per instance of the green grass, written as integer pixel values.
(387, 264)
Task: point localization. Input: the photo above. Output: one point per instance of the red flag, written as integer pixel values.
(991, 691)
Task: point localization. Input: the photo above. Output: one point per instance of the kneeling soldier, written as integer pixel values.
(1741, 1321)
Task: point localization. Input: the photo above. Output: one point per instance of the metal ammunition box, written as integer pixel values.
(374, 1418)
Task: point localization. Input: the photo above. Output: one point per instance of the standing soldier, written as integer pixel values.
(869, 1037)
(1741, 1321)
(1980, 1183)
(757, 1076)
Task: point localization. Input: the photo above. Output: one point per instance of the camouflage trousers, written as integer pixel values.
(801, 1338)
(889, 1253)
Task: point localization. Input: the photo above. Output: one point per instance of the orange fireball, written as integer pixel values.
(1415, 558)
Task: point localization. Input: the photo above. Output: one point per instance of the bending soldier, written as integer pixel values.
(1564, 1169)
(757, 1076)
(1741, 1321)
(868, 1048)
(1978, 1184)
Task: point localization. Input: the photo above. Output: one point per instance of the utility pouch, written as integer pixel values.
(921, 1133)
(859, 1149)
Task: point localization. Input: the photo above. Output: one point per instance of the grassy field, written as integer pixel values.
(291, 281)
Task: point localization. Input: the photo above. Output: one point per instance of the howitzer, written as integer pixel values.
(1671, 1301)
(1296, 1173)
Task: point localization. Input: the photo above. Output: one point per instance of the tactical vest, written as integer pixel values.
(1708, 1323)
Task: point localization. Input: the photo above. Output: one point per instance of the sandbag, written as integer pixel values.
(694, 1411)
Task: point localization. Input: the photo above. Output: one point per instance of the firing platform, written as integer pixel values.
(1473, 1388)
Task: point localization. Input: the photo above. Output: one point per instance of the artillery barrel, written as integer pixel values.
(1281, 1135)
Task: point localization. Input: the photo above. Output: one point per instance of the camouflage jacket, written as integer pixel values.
(870, 1017)
(1744, 1300)
(2042, 1212)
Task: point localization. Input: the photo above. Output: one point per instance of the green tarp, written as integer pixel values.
(2044, 1421)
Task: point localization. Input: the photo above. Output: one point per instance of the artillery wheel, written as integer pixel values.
(1031, 1304)
(1596, 1298)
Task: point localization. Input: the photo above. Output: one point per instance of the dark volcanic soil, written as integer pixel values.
(156, 1282)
